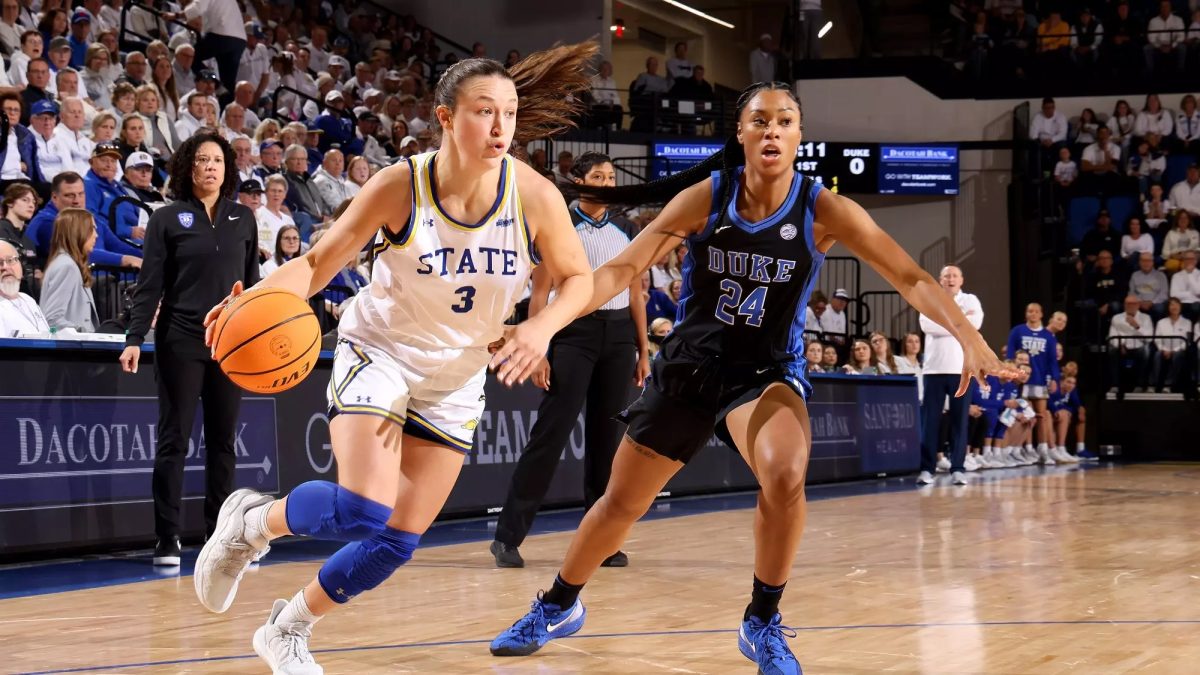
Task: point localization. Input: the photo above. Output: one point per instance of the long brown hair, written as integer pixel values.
(890, 359)
(549, 85)
(72, 228)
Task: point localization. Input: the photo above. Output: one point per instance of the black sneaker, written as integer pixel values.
(507, 556)
(167, 551)
(618, 559)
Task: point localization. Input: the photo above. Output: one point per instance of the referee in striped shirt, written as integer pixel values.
(593, 360)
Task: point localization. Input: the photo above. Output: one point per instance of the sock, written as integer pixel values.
(562, 594)
(764, 601)
(1042, 448)
(1078, 448)
(256, 533)
(297, 611)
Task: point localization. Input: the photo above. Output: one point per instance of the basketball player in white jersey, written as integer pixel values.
(456, 232)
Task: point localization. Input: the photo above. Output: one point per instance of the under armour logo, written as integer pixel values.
(362, 399)
(342, 592)
(429, 222)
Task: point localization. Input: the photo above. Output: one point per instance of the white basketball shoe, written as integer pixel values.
(227, 554)
(285, 646)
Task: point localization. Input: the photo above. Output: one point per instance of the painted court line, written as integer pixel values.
(711, 631)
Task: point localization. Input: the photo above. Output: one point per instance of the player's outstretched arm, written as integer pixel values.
(841, 219)
(385, 201)
(565, 265)
(682, 217)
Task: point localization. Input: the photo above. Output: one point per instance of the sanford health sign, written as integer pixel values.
(100, 450)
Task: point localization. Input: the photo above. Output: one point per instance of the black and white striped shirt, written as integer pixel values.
(602, 240)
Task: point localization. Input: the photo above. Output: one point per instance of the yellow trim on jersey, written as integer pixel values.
(416, 418)
(506, 189)
(410, 226)
(526, 236)
(337, 391)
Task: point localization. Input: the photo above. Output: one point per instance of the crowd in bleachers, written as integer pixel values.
(1070, 38)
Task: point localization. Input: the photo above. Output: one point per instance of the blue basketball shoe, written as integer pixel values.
(543, 623)
(765, 644)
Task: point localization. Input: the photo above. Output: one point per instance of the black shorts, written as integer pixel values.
(688, 395)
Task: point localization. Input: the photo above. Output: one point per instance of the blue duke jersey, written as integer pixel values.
(746, 285)
(440, 283)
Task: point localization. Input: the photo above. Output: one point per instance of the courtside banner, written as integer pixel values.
(65, 451)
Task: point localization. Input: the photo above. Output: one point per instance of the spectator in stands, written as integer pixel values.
(1085, 129)
(225, 37)
(1065, 171)
(20, 202)
(1100, 238)
(1057, 325)
(678, 66)
(31, 48)
(762, 60)
(191, 117)
(1150, 286)
(812, 356)
(829, 358)
(1185, 286)
(185, 58)
(53, 24)
(1086, 39)
(10, 32)
(335, 125)
(287, 246)
(1121, 123)
(358, 171)
(1153, 119)
(1170, 354)
(1135, 242)
(366, 143)
(562, 172)
(1164, 39)
(658, 303)
(1156, 209)
(1187, 126)
(1147, 164)
(1103, 287)
(694, 88)
(124, 100)
(1180, 240)
(250, 194)
(22, 162)
(68, 192)
(1054, 40)
(1049, 129)
(270, 154)
(232, 124)
(833, 321)
(19, 313)
(273, 214)
(941, 375)
(136, 67)
(93, 77)
(1192, 39)
(160, 132)
(38, 73)
(303, 198)
(132, 137)
(70, 132)
(862, 360)
(817, 306)
(650, 82)
(67, 300)
(51, 152)
(245, 158)
(1100, 163)
(606, 102)
(1127, 343)
(1186, 193)
(909, 362)
(333, 186)
(81, 27)
(162, 76)
(881, 349)
(137, 182)
(244, 96)
(102, 189)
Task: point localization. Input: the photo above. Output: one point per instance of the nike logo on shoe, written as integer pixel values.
(575, 612)
(742, 634)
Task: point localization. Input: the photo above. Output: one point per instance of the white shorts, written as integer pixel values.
(434, 395)
(1034, 391)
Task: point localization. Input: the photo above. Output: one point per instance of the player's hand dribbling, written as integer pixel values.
(210, 319)
(524, 347)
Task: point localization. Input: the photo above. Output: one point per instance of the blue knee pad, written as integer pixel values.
(363, 565)
(327, 511)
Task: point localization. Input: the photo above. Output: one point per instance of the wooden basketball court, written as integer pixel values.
(1063, 571)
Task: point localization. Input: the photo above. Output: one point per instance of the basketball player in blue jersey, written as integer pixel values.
(455, 232)
(1041, 345)
(757, 232)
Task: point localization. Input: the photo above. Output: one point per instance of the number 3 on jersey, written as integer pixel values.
(731, 299)
(466, 297)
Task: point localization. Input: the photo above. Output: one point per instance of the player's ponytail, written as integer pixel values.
(725, 160)
(550, 86)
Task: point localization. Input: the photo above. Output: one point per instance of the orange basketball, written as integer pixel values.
(267, 340)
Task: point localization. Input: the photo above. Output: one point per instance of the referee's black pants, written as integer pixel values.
(228, 51)
(187, 373)
(592, 360)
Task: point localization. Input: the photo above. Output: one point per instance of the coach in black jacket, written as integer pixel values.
(195, 249)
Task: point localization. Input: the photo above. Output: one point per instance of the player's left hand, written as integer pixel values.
(524, 346)
(642, 370)
(979, 361)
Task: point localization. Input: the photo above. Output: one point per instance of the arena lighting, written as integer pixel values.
(698, 13)
(825, 29)
(618, 27)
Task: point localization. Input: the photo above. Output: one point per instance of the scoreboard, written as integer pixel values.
(851, 168)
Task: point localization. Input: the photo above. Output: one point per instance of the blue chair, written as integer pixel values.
(1176, 171)
(1081, 217)
(1120, 208)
